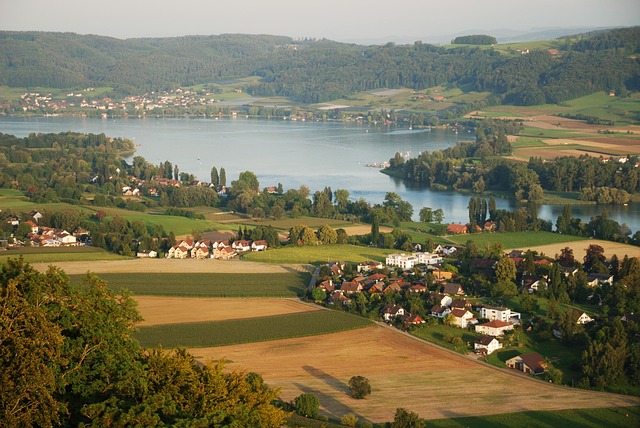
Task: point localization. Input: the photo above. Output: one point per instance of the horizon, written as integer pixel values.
(407, 22)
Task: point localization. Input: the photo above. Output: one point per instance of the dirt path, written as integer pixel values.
(171, 266)
(403, 372)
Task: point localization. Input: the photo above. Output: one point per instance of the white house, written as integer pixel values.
(391, 311)
(494, 328)
(260, 245)
(584, 319)
(407, 261)
(486, 345)
(439, 311)
(496, 313)
(241, 246)
(463, 317)
(369, 266)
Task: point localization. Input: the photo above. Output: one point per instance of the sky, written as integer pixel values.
(340, 20)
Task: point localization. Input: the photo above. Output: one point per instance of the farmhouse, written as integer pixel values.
(494, 328)
(531, 363)
(486, 345)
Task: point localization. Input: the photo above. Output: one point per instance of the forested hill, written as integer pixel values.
(316, 71)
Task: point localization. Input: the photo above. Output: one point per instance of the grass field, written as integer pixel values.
(209, 284)
(623, 417)
(312, 222)
(319, 254)
(59, 254)
(220, 333)
(521, 240)
(436, 334)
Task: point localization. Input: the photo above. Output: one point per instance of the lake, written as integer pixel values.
(316, 154)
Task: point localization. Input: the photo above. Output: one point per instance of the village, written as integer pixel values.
(425, 274)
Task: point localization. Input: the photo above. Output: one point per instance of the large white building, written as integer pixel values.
(501, 314)
(407, 261)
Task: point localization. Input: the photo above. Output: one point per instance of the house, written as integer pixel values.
(531, 283)
(33, 226)
(223, 252)
(583, 318)
(67, 239)
(241, 246)
(449, 250)
(497, 313)
(327, 286)
(441, 299)
(486, 345)
(405, 261)
(350, 287)
(460, 304)
(439, 311)
(222, 243)
(482, 265)
(490, 226)
(594, 279)
(530, 363)
(36, 216)
(144, 254)
(180, 252)
(369, 266)
(428, 258)
(412, 319)
(338, 297)
(568, 270)
(259, 245)
(392, 311)
(201, 253)
(442, 274)
(463, 318)
(630, 317)
(453, 289)
(456, 229)
(417, 288)
(13, 221)
(494, 328)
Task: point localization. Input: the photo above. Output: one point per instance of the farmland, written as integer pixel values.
(248, 330)
(59, 254)
(320, 254)
(212, 284)
(400, 368)
(521, 240)
(171, 310)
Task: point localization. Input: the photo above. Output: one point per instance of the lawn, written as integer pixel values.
(220, 333)
(318, 254)
(521, 240)
(587, 418)
(291, 284)
(436, 334)
(59, 254)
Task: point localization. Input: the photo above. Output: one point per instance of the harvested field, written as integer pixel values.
(403, 372)
(171, 266)
(579, 247)
(172, 310)
(363, 229)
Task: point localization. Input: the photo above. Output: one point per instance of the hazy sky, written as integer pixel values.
(342, 20)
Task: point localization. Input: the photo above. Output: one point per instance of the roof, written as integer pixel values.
(450, 288)
(534, 361)
(485, 340)
(496, 324)
(459, 313)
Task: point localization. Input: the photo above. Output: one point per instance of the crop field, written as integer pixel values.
(312, 222)
(54, 255)
(158, 310)
(403, 372)
(622, 417)
(249, 330)
(213, 284)
(319, 254)
(579, 247)
(521, 240)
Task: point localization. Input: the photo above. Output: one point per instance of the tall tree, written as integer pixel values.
(223, 177)
(215, 178)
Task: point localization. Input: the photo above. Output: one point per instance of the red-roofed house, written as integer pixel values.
(531, 363)
(463, 318)
(494, 328)
(457, 229)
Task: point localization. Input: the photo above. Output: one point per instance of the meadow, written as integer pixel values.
(249, 330)
(213, 284)
(319, 254)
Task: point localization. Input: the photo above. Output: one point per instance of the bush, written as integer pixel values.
(349, 420)
(359, 386)
(307, 405)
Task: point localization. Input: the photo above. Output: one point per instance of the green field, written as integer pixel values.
(220, 333)
(59, 254)
(312, 222)
(436, 334)
(521, 240)
(588, 418)
(208, 284)
(318, 254)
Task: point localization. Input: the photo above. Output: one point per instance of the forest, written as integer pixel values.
(313, 71)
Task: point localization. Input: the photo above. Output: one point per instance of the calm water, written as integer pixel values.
(293, 153)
